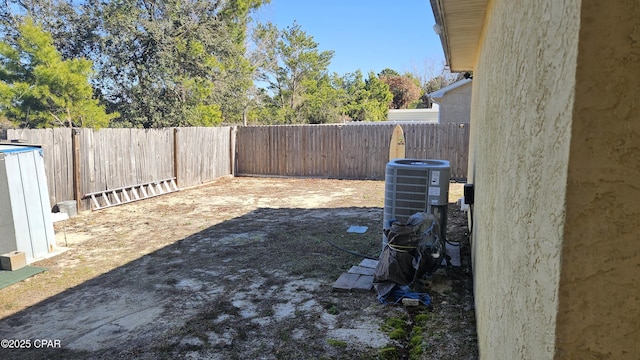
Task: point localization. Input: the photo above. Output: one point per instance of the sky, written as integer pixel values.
(369, 35)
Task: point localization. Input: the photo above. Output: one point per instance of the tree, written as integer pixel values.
(379, 97)
(366, 100)
(322, 100)
(40, 89)
(293, 62)
(160, 63)
(405, 89)
(72, 25)
(433, 76)
(388, 72)
(241, 65)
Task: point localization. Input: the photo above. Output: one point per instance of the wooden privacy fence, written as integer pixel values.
(349, 151)
(84, 161)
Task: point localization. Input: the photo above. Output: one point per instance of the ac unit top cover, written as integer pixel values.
(420, 163)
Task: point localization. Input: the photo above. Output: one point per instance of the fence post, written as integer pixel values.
(176, 155)
(75, 151)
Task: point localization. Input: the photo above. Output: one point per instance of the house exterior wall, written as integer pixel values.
(599, 297)
(521, 118)
(554, 155)
(455, 105)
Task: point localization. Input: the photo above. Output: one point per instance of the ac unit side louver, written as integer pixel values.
(415, 185)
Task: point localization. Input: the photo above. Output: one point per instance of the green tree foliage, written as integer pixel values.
(366, 100)
(72, 24)
(166, 63)
(40, 89)
(293, 68)
(322, 100)
(160, 63)
(299, 89)
(240, 70)
(388, 72)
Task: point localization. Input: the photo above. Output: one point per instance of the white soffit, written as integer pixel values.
(460, 25)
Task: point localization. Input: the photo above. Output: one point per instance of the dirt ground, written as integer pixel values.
(235, 269)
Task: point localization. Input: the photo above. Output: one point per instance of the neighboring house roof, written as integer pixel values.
(437, 95)
(459, 24)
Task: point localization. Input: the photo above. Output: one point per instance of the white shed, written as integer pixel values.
(25, 214)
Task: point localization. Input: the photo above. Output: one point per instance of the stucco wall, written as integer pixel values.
(599, 308)
(520, 128)
(455, 105)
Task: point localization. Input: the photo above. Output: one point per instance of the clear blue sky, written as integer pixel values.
(364, 34)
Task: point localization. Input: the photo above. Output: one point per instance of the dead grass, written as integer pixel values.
(235, 269)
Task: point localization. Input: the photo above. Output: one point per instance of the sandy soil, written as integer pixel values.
(235, 269)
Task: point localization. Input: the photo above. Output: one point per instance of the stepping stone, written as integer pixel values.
(362, 270)
(359, 277)
(369, 263)
(357, 229)
(348, 281)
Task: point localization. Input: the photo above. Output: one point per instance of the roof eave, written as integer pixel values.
(437, 95)
(459, 25)
(440, 29)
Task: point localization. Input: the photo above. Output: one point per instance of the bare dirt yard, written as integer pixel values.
(235, 269)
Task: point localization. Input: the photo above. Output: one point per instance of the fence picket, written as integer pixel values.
(114, 158)
(358, 151)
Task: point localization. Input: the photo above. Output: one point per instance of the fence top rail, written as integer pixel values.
(361, 123)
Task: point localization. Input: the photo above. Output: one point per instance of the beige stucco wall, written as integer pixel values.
(520, 136)
(455, 105)
(599, 307)
(555, 159)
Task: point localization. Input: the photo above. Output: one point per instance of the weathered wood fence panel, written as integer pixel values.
(113, 158)
(203, 154)
(58, 162)
(439, 141)
(353, 151)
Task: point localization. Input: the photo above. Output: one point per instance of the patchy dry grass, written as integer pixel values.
(236, 269)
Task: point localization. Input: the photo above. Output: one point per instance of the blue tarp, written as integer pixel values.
(400, 292)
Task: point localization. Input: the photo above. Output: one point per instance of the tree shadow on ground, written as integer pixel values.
(256, 286)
